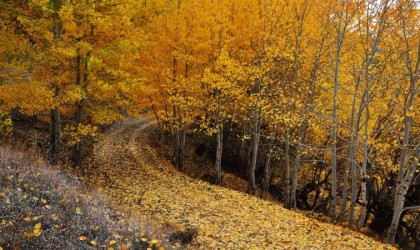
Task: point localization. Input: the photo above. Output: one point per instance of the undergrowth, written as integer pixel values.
(42, 208)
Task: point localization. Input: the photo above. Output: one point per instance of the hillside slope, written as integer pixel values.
(135, 176)
(45, 208)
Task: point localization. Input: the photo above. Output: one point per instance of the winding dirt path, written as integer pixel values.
(134, 175)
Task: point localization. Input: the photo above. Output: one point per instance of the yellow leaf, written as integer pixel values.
(3, 222)
(154, 241)
(143, 239)
(78, 210)
(93, 242)
(2, 194)
(82, 237)
(43, 200)
(112, 242)
(27, 219)
(54, 217)
(38, 225)
(7, 201)
(25, 196)
(37, 231)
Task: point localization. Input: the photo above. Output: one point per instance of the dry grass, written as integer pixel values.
(42, 208)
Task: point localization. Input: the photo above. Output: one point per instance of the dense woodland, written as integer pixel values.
(315, 102)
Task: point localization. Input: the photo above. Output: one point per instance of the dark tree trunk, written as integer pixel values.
(55, 130)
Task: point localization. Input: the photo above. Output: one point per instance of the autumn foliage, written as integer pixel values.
(322, 95)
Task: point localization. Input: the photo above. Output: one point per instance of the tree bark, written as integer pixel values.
(405, 177)
(255, 138)
(78, 116)
(267, 172)
(55, 126)
(400, 196)
(289, 199)
(349, 155)
(55, 131)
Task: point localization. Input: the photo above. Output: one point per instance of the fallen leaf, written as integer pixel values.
(37, 229)
(29, 235)
(82, 237)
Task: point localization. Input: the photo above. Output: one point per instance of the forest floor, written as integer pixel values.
(200, 215)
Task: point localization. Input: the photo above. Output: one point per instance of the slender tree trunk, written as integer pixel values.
(243, 145)
(77, 148)
(55, 131)
(77, 156)
(255, 137)
(349, 154)
(219, 139)
(176, 131)
(334, 125)
(400, 197)
(219, 154)
(55, 127)
(405, 177)
(182, 147)
(177, 139)
(364, 164)
(354, 191)
(289, 198)
(267, 172)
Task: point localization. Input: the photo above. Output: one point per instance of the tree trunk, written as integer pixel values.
(243, 145)
(354, 189)
(405, 179)
(219, 154)
(182, 147)
(400, 196)
(177, 140)
(349, 154)
(289, 199)
(55, 127)
(334, 125)
(255, 137)
(77, 156)
(267, 172)
(77, 148)
(364, 165)
(55, 131)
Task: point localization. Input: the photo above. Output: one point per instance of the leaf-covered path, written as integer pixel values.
(133, 173)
